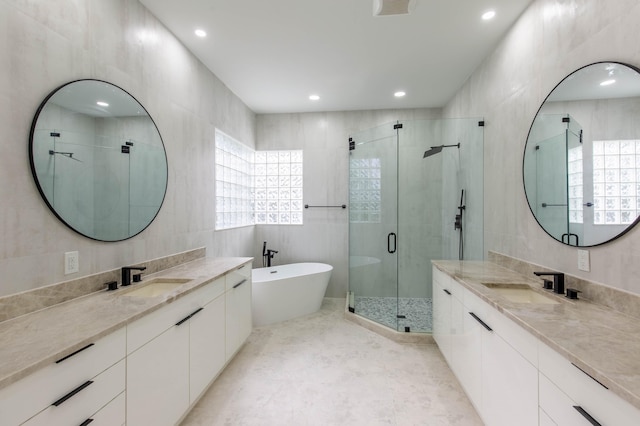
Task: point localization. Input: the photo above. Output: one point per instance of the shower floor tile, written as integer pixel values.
(322, 369)
(383, 310)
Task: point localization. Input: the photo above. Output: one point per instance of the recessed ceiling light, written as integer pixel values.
(200, 33)
(490, 14)
(399, 94)
(314, 97)
(102, 104)
(607, 82)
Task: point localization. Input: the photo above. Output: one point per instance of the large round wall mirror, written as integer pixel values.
(581, 163)
(98, 160)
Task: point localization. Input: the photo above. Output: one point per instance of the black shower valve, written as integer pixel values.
(458, 223)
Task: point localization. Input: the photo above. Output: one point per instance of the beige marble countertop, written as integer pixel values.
(599, 340)
(35, 340)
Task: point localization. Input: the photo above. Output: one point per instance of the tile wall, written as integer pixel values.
(45, 44)
(324, 137)
(550, 40)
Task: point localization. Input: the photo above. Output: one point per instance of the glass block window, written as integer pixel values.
(278, 187)
(234, 182)
(616, 181)
(365, 190)
(574, 171)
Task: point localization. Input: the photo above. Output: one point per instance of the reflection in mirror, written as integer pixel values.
(98, 160)
(581, 163)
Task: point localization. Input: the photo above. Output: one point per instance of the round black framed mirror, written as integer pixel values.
(98, 160)
(581, 166)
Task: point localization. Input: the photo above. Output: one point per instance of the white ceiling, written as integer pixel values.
(273, 54)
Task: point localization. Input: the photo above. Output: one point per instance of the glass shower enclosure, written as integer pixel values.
(403, 208)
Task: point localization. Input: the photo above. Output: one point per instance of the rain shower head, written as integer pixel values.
(436, 150)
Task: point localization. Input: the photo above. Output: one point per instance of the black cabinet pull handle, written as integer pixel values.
(72, 393)
(447, 291)
(86, 422)
(188, 317)
(240, 283)
(75, 353)
(480, 321)
(183, 320)
(586, 415)
(197, 311)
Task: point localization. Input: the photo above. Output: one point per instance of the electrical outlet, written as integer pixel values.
(583, 260)
(71, 262)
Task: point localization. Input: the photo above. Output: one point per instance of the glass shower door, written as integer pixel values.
(373, 221)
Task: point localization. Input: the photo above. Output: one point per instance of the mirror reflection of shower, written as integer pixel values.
(64, 154)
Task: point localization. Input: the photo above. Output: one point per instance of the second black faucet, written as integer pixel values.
(558, 280)
(126, 273)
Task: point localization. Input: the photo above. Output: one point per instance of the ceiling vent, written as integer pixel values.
(392, 7)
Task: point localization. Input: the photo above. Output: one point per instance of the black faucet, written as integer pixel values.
(267, 255)
(558, 280)
(126, 273)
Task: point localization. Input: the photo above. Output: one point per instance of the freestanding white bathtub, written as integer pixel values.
(284, 292)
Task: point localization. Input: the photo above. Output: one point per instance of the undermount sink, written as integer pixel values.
(520, 293)
(157, 287)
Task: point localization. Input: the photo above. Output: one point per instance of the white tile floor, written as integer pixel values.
(324, 370)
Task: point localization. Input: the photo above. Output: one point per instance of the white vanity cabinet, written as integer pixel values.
(160, 373)
(238, 302)
(500, 381)
(509, 380)
(457, 334)
(158, 368)
(177, 351)
(71, 390)
(149, 372)
(207, 341)
(466, 355)
(442, 322)
(569, 396)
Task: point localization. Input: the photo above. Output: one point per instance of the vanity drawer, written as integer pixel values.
(453, 287)
(517, 337)
(113, 414)
(209, 292)
(603, 405)
(80, 406)
(27, 397)
(148, 327)
(238, 275)
(556, 405)
(473, 303)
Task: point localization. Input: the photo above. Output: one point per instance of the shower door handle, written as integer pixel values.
(389, 242)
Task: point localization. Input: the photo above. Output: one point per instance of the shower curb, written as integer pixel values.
(419, 338)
